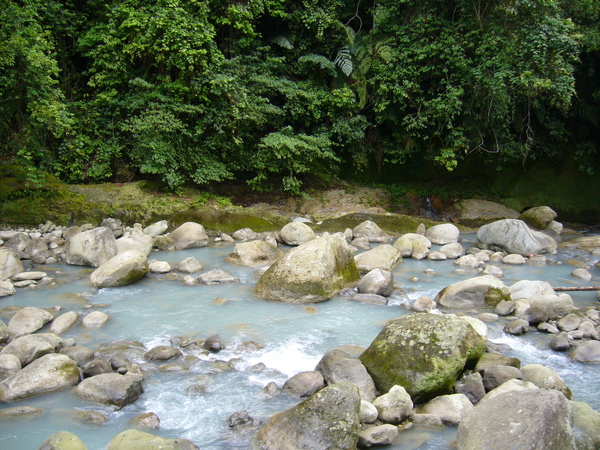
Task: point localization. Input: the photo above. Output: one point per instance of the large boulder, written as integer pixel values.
(10, 264)
(542, 299)
(121, 270)
(586, 352)
(476, 212)
(189, 235)
(337, 366)
(449, 408)
(63, 440)
(538, 217)
(312, 272)
(473, 292)
(378, 282)
(7, 288)
(327, 419)
(371, 231)
(442, 234)
(28, 320)
(157, 228)
(64, 322)
(91, 248)
(395, 406)
(514, 236)
(30, 347)
(424, 353)
(50, 373)
(113, 388)
(586, 424)
(384, 256)
(254, 253)
(545, 378)
(139, 440)
(135, 241)
(522, 419)
(296, 233)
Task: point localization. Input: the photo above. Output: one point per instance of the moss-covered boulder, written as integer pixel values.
(538, 217)
(50, 373)
(424, 353)
(63, 440)
(327, 419)
(139, 440)
(310, 273)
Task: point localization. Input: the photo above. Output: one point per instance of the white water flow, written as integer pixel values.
(294, 338)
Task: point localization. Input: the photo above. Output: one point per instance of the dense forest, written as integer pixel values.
(275, 92)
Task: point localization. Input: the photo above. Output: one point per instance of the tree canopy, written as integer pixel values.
(275, 91)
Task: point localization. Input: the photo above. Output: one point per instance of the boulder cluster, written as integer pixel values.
(428, 368)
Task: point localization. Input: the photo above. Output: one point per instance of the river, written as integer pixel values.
(294, 337)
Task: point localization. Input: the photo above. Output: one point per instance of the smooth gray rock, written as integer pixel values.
(586, 424)
(327, 419)
(304, 384)
(395, 406)
(514, 236)
(28, 320)
(139, 242)
(442, 234)
(217, 276)
(91, 248)
(473, 292)
(64, 322)
(7, 288)
(497, 375)
(189, 235)
(157, 228)
(113, 388)
(78, 353)
(449, 408)
(49, 373)
(370, 230)
(162, 353)
(586, 352)
(296, 233)
(377, 281)
(377, 436)
(189, 265)
(30, 347)
(10, 264)
(337, 366)
(9, 365)
(540, 419)
(545, 378)
(121, 270)
(254, 253)
(384, 256)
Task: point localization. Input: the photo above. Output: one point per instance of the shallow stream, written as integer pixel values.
(294, 338)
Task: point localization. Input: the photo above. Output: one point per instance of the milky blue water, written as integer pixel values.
(294, 338)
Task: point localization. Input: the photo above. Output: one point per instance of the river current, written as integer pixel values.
(293, 337)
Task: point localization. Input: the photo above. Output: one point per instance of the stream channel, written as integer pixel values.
(294, 338)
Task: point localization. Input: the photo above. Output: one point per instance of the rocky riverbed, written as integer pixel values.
(431, 367)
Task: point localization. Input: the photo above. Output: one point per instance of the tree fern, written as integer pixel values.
(343, 60)
(283, 42)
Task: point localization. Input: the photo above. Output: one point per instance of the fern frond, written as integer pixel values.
(343, 60)
(283, 42)
(319, 60)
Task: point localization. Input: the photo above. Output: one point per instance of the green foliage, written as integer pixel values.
(193, 91)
